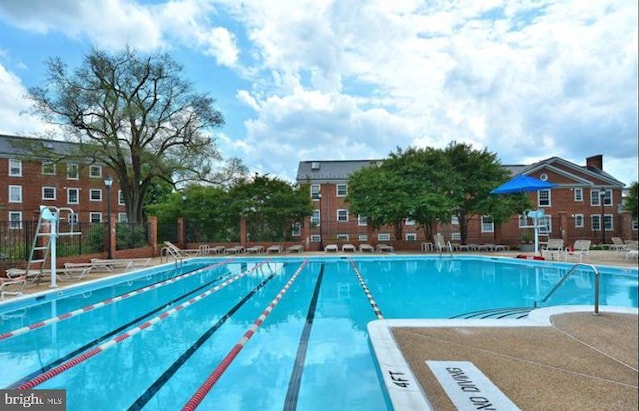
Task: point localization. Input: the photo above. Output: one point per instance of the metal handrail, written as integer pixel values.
(596, 309)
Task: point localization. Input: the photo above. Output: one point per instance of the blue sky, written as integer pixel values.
(352, 79)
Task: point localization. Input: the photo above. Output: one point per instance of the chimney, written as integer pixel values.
(595, 161)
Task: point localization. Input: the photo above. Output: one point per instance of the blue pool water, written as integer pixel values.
(310, 353)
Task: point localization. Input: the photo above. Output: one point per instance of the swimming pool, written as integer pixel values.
(265, 333)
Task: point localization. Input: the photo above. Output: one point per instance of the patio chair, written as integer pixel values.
(348, 247)
(237, 249)
(384, 247)
(331, 247)
(554, 246)
(296, 248)
(12, 286)
(618, 245)
(276, 248)
(256, 249)
(440, 245)
(176, 251)
(366, 248)
(580, 249)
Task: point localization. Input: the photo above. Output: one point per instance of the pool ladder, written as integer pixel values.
(596, 309)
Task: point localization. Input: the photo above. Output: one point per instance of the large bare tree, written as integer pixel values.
(138, 116)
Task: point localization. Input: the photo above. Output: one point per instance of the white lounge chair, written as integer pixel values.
(276, 248)
(172, 249)
(12, 286)
(237, 249)
(331, 247)
(384, 248)
(296, 248)
(256, 249)
(580, 249)
(555, 246)
(440, 245)
(348, 247)
(366, 248)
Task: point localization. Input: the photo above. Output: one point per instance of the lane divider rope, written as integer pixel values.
(108, 301)
(373, 303)
(130, 333)
(213, 378)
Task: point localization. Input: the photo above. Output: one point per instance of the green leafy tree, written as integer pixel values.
(631, 201)
(137, 115)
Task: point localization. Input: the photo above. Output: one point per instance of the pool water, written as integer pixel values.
(309, 351)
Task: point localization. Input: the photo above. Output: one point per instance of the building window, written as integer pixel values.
(454, 220)
(342, 237)
(342, 215)
(522, 221)
(48, 168)
(608, 222)
(634, 225)
(363, 237)
(15, 194)
(15, 168)
(15, 220)
(295, 229)
(487, 224)
(362, 220)
(544, 198)
(456, 236)
(315, 191)
(315, 218)
(409, 221)
(73, 196)
(73, 171)
(595, 197)
(578, 220)
(411, 237)
(545, 224)
(595, 223)
(315, 238)
(577, 194)
(73, 218)
(95, 217)
(341, 190)
(95, 171)
(122, 218)
(48, 193)
(120, 197)
(384, 237)
(95, 194)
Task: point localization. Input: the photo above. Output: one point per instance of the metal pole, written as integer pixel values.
(107, 184)
(602, 194)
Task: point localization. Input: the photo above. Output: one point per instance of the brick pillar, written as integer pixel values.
(243, 231)
(181, 240)
(152, 228)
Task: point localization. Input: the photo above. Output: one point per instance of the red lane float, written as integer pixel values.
(213, 378)
(129, 333)
(108, 301)
(530, 257)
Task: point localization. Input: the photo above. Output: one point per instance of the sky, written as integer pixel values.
(302, 80)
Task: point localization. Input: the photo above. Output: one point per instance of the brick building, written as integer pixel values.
(26, 183)
(584, 198)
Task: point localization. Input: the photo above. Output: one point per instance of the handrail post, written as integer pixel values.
(596, 306)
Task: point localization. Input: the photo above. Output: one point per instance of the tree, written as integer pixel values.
(473, 174)
(136, 115)
(631, 201)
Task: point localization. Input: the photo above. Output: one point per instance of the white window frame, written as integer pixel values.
(95, 190)
(455, 220)
(45, 168)
(486, 227)
(578, 194)
(18, 190)
(608, 222)
(69, 191)
(363, 237)
(595, 197)
(362, 220)
(70, 175)
(73, 218)
(122, 218)
(578, 220)
(411, 237)
(95, 171)
(456, 236)
(342, 215)
(384, 237)
(342, 237)
(541, 197)
(94, 214)
(52, 190)
(15, 220)
(15, 168)
(634, 225)
(120, 197)
(522, 221)
(296, 229)
(315, 238)
(315, 217)
(341, 190)
(409, 221)
(314, 191)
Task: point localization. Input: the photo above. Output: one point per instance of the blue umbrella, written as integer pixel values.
(522, 184)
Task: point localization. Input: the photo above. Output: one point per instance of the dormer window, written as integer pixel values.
(315, 165)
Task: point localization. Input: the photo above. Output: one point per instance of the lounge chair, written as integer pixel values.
(237, 249)
(12, 286)
(348, 247)
(276, 248)
(331, 247)
(256, 249)
(440, 245)
(555, 246)
(297, 248)
(618, 245)
(174, 250)
(366, 248)
(580, 249)
(119, 264)
(384, 248)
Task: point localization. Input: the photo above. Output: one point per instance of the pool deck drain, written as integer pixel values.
(559, 358)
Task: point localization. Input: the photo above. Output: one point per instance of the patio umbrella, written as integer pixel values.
(524, 184)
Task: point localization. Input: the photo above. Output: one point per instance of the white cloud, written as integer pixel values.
(13, 108)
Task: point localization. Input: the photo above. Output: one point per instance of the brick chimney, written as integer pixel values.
(595, 161)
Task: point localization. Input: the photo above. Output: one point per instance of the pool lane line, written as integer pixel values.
(213, 378)
(291, 400)
(102, 338)
(373, 303)
(173, 368)
(130, 333)
(108, 301)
